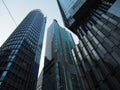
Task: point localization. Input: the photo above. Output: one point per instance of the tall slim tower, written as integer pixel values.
(97, 24)
(20, 54)
(59, 73)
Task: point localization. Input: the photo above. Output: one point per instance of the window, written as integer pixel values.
(90, 33)
(99, 22)
(95, 40)
(85, 52)
(106, 27)
(9, 64)
(104, 16)
(101, 34)
(113, 21)
(85, 38)
(95, 28)
(108, 42)
(95, 54)
(90, 46)
(11, 57)
(3, 75)
(102, 49)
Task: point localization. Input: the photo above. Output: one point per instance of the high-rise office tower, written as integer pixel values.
(20, 54)
(59, 71)
(97, 24)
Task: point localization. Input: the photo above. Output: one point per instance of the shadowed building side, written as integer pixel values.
(97, 56)
(97, 25)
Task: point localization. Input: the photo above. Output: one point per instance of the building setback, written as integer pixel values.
(97, 56)
(59, 73)
(20, 54)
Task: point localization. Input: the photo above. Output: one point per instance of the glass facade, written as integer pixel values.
(68, 9)
(60, 72)
(20, 54)
(67, 5)
(97, 55)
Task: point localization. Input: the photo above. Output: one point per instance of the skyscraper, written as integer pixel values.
(77, 14)
(20, 54)
(59, 73)
(97, 24)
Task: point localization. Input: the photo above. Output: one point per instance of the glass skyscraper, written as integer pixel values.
(97, 56)
(20, 54)
(59, 73)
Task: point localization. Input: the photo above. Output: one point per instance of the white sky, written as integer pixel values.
(19, 9)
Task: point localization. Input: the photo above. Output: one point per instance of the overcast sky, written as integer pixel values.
(20, 8)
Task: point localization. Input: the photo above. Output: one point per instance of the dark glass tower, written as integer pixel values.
(97, 24)
(59, 73)
(20, 54)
